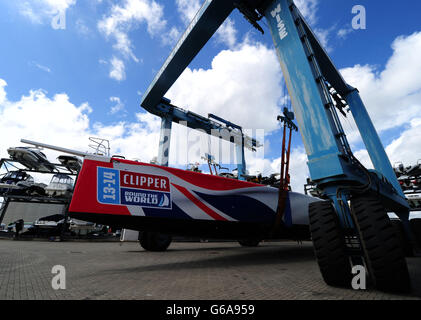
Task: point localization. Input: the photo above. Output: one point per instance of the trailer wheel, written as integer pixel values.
(249, 242)
(154, 241)
(380, 242)
(329, 244)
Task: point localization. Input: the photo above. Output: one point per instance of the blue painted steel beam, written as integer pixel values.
(313, 119)
(371, 139)
(327, 67)
(195, 121)
(305, 69)
(228, 131)
(305, 66)
(206, 22)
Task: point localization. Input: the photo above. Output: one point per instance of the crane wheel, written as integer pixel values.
(249, 242)
(403, 239)
(381, 245)
(154, 241)
(329, 244)
(416, 230)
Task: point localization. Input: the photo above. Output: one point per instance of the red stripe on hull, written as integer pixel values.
(199, 204)
(200, 180)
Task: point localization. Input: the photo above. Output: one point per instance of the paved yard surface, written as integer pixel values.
(209, 271)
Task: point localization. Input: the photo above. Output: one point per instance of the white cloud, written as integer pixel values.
(57, 5)
(40, 66)
(404, 149)
(117, 71)
(170, 38)
(393, 99)
(299, 170)
(37, 117)
(57, 121)
(242, 85)
(323, 36)
(118, 106)
(308, 9)
(407, 148)
(41, 11)
(392, 95)
(227, 33)
(188, 9)
(344, 32)
(3, 94)
(82, 28)
(126, 17)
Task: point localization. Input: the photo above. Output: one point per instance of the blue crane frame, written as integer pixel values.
(221, 128)
(308, 71)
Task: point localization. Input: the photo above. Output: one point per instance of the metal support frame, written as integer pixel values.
(220, 128)
(65, 213)
(317, 90)
(371, 139)
(309, 74)
(3, 209)
(29, 199)
(36, 199)
(8, 198)
(331, 162)
(239, 146)
(5, 161)
(165, 141)
(210, 17)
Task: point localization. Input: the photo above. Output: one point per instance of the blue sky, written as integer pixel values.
(107, 56)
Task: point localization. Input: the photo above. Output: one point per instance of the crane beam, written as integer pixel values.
(210, 17)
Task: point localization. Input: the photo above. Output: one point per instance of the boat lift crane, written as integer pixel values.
(218, 127)
(359, 199)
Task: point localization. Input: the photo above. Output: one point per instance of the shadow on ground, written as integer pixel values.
(267, 255)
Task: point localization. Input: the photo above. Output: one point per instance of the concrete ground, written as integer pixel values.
(210, 271)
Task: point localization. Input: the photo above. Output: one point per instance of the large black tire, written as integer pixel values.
(329, 245)
(249, 242)
(403, 239)
(416, 230)
(154, 241)
(380, 242)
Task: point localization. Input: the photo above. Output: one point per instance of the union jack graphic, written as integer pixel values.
(164, 192)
